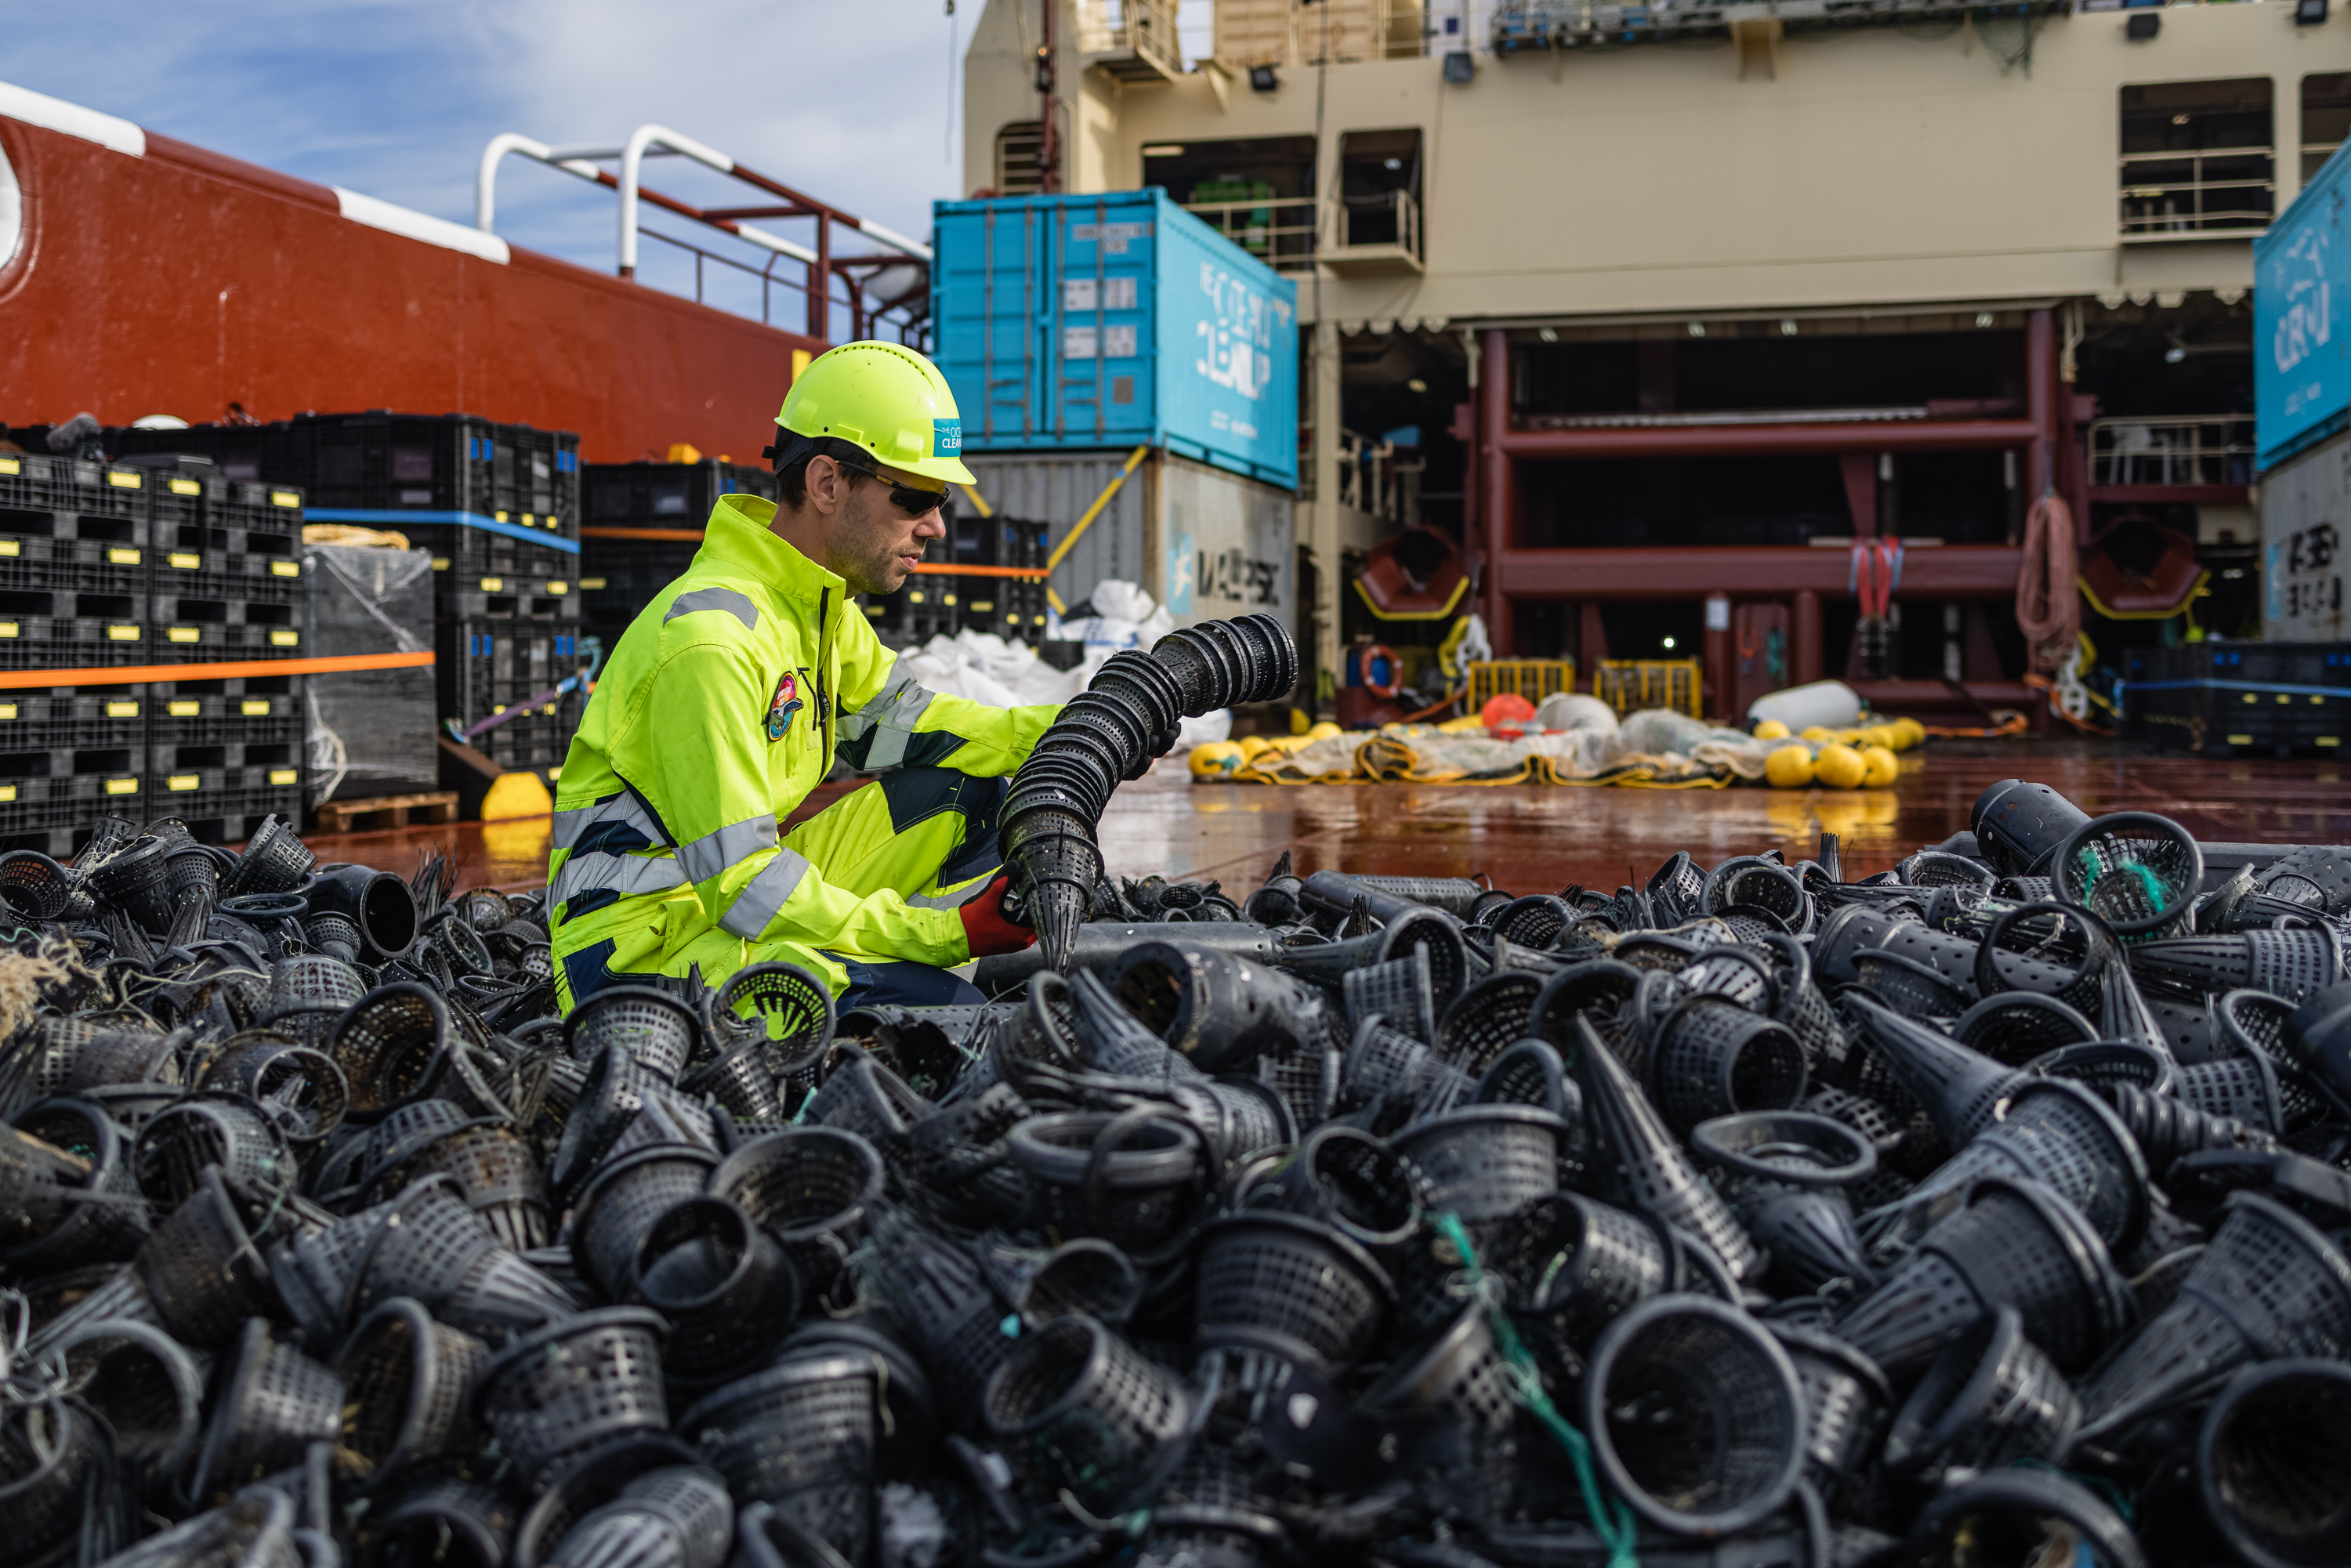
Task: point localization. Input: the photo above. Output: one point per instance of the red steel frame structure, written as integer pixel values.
(1514, 574)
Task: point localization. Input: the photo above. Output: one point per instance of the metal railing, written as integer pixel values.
(1280, 230)
(1369, 477)
(1331, 32)
(1142, 29)
(2184, 192)
(2190, 449)
(1372, 221)
(895, 273)
(1287, 233)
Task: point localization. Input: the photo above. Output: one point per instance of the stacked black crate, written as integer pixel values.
(643, 523)
(73, 589)
(225, 587)
(497, 506)
(2228, 699)
(517, 689)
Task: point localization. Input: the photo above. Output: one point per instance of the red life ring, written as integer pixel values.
(1394, 684)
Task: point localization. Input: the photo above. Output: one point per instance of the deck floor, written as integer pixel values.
(1536, 838)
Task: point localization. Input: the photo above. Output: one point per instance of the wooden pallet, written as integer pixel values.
(388, 811)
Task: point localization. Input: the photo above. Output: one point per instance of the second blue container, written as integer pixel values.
(1119, 319)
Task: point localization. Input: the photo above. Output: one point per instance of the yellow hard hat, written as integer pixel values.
(884, 397)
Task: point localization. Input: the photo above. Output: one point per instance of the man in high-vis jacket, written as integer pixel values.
(730, 696)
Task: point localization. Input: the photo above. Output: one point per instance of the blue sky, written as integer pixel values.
(859, 104)
(849, 102)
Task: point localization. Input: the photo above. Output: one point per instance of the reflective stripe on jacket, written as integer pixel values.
(723, 704)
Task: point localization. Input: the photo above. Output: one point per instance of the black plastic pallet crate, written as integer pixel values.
(485, 666)
(225, 629)
(223, 574)
(462, 553)
(63, 536)
(666, 495)
(536, 742)
(72, 717)
(261, 729)
(32, 642)
(2223, 699)
(32, 483)
(385, 462)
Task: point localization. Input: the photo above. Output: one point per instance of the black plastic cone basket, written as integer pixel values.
(1991, 1397)
(1695, 1414)
(2138, 871)
(623, 1203)
(2015, 1244)
(678, 1516)
(408, 1382)
(1712, 1059)
(2273, 1466)
(1650, 1171)
(275, 861)
(274, 1403)
(2270, 1285)
(724, 1285)
(389, 1045)
(801, 1435)
(201, 1269)
(1291, 1287)
(1576, 1264)
(574, 1384)
(656, 1029)
(812, 1188)
(1078, 1407)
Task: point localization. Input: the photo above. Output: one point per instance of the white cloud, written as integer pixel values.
(396, 98)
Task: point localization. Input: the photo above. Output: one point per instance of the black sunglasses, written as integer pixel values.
(914, 502)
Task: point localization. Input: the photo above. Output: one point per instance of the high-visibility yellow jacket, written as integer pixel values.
(724, 704)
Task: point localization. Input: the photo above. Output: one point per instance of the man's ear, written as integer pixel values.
(827, 486)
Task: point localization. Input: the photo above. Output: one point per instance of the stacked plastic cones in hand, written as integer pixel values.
(1126, 717)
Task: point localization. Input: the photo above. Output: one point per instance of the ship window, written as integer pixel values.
(1018, 148)
(1256, 191)
(2326, 118)
(2198, 158)
(1379, 186)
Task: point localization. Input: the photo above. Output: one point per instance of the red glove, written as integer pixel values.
(985, 925)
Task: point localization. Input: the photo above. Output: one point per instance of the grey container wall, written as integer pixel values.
(1207, 542)
(371, 731)
(2305, 504)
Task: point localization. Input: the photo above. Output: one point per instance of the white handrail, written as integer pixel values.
(632, 157)
(574, 161)
(649, 141)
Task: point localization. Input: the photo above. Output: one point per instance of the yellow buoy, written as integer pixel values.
(1908, 733)
(1323, 731)
(1771, 730)
(1216, 759)
(1838, 766)
(1299, 721)
(1816, 734)
(1879, 767)
(1251, 745)
(1789, 768)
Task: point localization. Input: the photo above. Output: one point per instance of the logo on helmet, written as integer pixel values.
(947, 437)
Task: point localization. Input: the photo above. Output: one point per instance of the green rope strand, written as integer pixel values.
(1610, 1517)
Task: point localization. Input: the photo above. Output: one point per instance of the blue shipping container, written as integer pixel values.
(2302, 360)
(1069, 322)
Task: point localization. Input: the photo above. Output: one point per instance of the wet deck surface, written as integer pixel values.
(1536, 838)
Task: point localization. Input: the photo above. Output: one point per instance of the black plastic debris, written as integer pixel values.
(1990, 1211)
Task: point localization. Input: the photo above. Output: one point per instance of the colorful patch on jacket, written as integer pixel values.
(785, 703)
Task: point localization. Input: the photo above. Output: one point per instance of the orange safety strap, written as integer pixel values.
(135, 674)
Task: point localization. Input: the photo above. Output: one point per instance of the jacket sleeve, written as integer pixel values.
(891, 720)
(714, 799)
